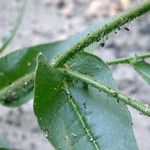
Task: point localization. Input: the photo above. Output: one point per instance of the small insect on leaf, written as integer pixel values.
(102, 44)
(127, 29)
(65, 66)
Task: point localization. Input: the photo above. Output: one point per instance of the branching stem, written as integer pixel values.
(145, 109)
(127, 60)
(100, 33)
(89, 39)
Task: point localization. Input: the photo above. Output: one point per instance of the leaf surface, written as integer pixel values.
(143, 69)
(17, 64)
(75, 116)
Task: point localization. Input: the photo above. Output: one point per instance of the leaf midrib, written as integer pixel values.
(80, 117)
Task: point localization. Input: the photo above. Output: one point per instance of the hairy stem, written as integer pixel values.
(145, 109)
(102, 32)
(17, 89)
(127, 60)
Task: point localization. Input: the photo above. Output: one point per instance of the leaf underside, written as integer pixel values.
(73, 115)
(143, 69)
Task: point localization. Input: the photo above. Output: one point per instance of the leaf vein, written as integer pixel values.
(80, 117)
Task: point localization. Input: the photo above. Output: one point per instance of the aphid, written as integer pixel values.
(68, 78)
(115, 94)
(97, 40)
(84, 105)
(127, 29)
(65, 67)
(70, 96)
(102, 44)
(85, 86)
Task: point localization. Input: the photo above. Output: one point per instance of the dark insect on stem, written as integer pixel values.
(85, 86)
(127, 29)
(115, 95)
(84, 105)
(102, 44)
(98, 39)
(70, 96)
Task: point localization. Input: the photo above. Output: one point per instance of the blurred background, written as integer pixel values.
(48, 20)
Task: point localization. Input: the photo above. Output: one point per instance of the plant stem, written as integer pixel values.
(89, 39)
(127, 60)
(14, 30)
(17, 89)
(145, 109)
(102, 32)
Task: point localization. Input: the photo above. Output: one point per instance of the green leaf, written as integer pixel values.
(143, 69)
(73, 115)
(12, 33)
(16, 65)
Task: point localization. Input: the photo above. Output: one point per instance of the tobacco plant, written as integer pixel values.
(76, 100)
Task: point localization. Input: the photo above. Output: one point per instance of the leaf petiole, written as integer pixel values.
(127, 60)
